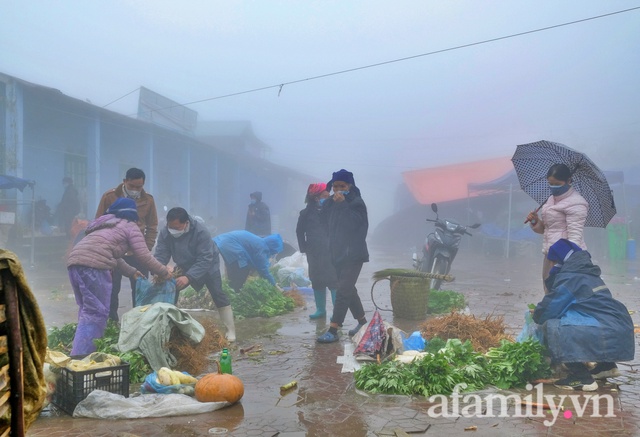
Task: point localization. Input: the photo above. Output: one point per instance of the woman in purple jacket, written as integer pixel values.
(91, 262)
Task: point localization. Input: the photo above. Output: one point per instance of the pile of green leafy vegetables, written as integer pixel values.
(508, 366)
(258, 298)
(445, 301)
(61, 340)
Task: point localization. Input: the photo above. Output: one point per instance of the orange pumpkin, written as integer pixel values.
(219, 387)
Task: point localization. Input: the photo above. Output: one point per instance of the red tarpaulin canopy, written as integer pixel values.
(450, 182)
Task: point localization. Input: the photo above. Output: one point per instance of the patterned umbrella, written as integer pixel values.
(532, 161)
(372, 341)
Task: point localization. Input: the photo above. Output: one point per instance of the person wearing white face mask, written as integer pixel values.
(346, 218)
(189, 244)
(132, 187)
(562, 216)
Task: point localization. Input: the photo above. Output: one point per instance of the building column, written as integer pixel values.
(94, 159)
(14, 138)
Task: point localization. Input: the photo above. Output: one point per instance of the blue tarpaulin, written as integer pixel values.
(8, 182)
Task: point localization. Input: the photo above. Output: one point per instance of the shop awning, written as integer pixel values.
(450, 182)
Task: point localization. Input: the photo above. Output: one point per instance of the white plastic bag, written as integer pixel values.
(294, 269)
(100, 404)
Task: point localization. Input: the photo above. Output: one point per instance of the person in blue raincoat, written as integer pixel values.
(582, 322)
(243, 251)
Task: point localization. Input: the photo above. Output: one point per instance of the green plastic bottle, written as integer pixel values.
(225, 361)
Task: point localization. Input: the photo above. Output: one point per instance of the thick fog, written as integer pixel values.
(393, 86)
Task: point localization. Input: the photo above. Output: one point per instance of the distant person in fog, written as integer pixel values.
(258, 216)
(69, 206)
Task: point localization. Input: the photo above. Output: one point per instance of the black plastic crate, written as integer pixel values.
(72, 386)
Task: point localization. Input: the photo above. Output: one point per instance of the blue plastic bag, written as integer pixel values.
(415, 342)
(530, 329)
(151, 385)
(147, 292)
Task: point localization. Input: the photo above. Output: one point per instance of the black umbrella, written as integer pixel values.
(532, 162)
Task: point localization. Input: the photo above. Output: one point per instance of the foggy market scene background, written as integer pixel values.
(424, 101)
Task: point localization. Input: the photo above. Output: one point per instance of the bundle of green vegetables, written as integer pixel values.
(445, 301)
(258, 298)
(507, 366)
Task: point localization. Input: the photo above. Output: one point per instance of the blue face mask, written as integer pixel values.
(344, 193)
(559, 190)
(253, 201)
(321, 201)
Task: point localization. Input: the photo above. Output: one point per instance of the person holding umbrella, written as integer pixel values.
(563, 215)
(572, 191)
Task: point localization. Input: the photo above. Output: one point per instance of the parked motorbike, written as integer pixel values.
(441, 247)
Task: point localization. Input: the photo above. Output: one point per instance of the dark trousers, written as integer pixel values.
(117, 282)
(213, 282)
(236, 275)
(347, 294)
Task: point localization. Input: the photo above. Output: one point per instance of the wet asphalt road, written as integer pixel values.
(325, 402)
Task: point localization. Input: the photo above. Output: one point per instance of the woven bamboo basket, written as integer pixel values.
(409, 291)
(409, 297)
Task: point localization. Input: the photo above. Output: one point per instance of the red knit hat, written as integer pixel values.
(315, 189)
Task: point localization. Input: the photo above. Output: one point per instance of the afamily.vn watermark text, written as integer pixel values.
(498, 405)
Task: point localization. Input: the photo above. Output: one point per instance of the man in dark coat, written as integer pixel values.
(345, 215)
(258, 216)
(581, 321)
(190, 245)
(69, 206)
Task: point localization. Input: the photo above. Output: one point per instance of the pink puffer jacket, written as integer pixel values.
(108, 239)
(562, 217)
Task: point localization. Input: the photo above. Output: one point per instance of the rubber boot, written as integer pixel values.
(226, 314)
(333, 297)
(321, 304)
